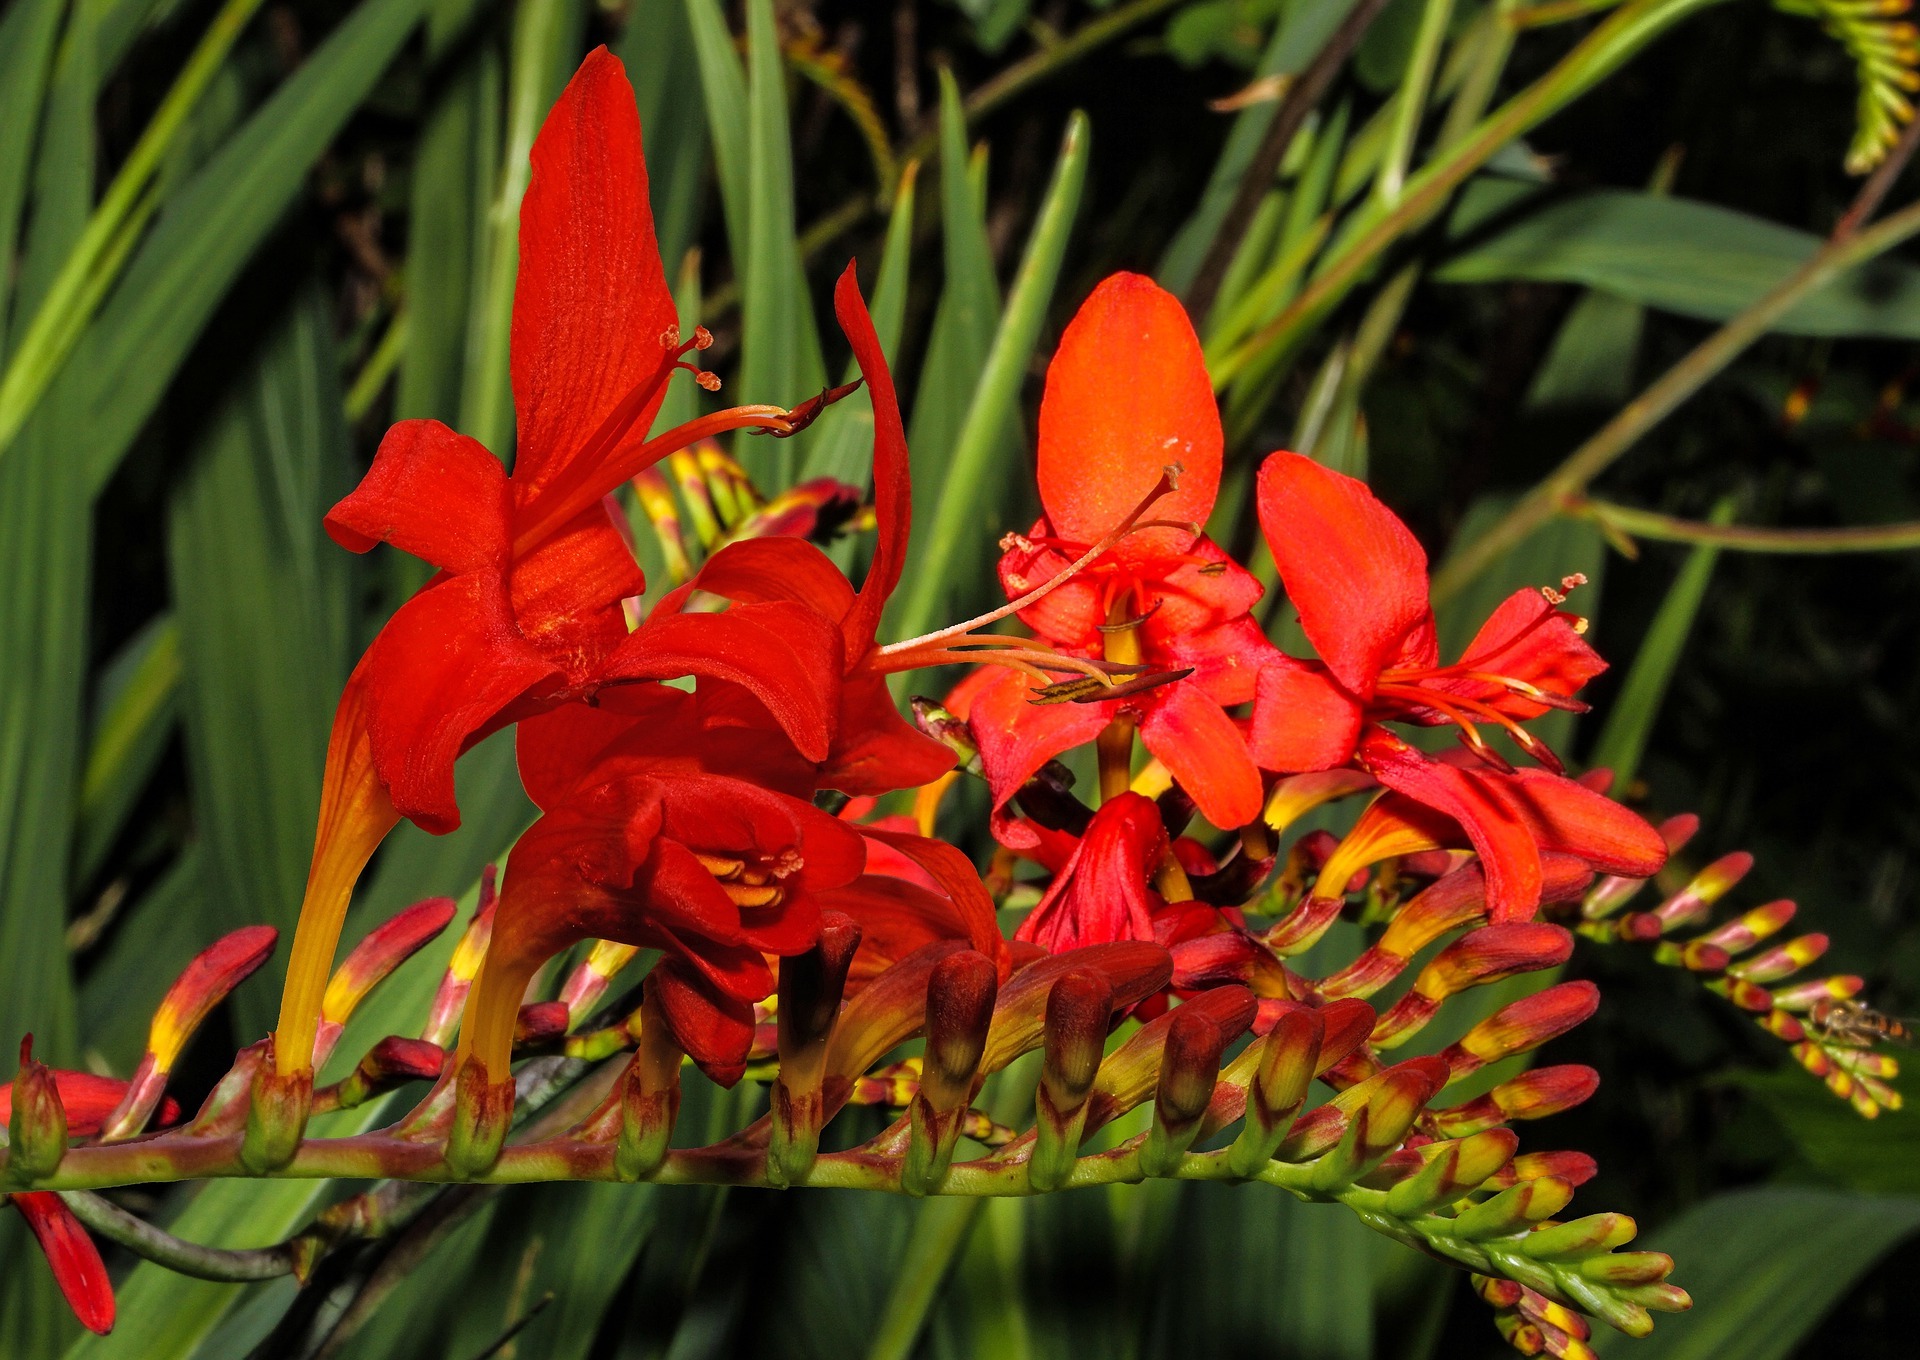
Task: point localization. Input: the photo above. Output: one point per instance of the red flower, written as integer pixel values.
(1128, 396)
(1359, 580)
(75, 1260)
(864, 746)
(1102, 893)
(526, 606)
(660, 829)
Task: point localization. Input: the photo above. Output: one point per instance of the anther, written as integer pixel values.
(750, 895)
(670, 337)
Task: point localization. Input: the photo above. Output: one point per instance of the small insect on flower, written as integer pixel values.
(1854, 1024)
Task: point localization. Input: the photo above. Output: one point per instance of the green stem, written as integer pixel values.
(1686, 377)
(373, 375)
(103, 247)
(1410, 102)
(1745, 538)
(163, 1248)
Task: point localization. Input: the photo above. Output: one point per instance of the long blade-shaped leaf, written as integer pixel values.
(955, 548)
(262, 596)
(1764, 1266)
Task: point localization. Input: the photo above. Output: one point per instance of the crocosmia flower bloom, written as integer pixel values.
(1127, 398)
(1358, 578)
(526, 605)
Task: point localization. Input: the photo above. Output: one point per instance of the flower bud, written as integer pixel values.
(810, 989)
(1580, 1238)
(960, 996)
(1527, 1203)
(1133, 969)
(1289, 1054)
(372, 961)
(1746, 930)
(1457, 1169)
(586, 984)
(75, 1260)
(37, 1125)
(450, 999)
(1781, 960)
(1489, 954)
(1079, 1009)
(540, 1023)
(1189, 1070)
(1696, 900)
(482, 1113)
(394, 1061)
(1524, 1025)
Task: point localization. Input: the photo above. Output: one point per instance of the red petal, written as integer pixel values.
(785, 654)
(1127, 395)
(433, 493)
(1205, 750)
(1358, 578)
(1016, 737)
(77, 1267)
(715, 1029)
(1302, 720)
(892, 479)
(1068, 616)
(88, 1099)
(1508, 852)
(1570, 818)
(1102, 895)
(559, 749)
(591, 302)
(1519, 642)
(761, 570)
(440, 674)
(896, 918)
(567, 592)
(954, 872)
(875, 750)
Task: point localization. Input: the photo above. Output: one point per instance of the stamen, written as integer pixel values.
(720, 867)
(895, 655)
(1134, 622)
(810, 410)
(748, 895)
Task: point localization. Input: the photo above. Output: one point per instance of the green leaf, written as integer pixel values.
(1877, 1156)
(1592, 356)
(1623, 741)
(26, 58)
(841, 441)
(159, 934)
(963, 323)
(724, 85)
(457, 157)
(1764, 1266)
(658, 49)
(133, 716)
(1301, 34)
(955, 550)
(262, 598)
(211, 227)
(1696, 259)
(779, 346)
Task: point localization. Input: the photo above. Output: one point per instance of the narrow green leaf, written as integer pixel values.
(940, 1229)
(159, 934)
(26, 57)
(1301, 34)
(724, 86)
(841, 442)
(1696, 259)
(211, 227)
(262, 597)
(1764, 1266)
(658, 49)
(133, 715)
(1623, 741)
(955, 550)
(453, 173)
(964, 322)
(1592, 356)
(1878, 1156)
(779, 344)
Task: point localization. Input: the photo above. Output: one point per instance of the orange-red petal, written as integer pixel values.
(1128, 395)
(77, 1267)
(1302, 719)
(1017, 737)
(1526, 638)
(1568, 817)
(892, 480)
(1205, 750)
(1350, 567)
(591, 303)
(431, 492)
